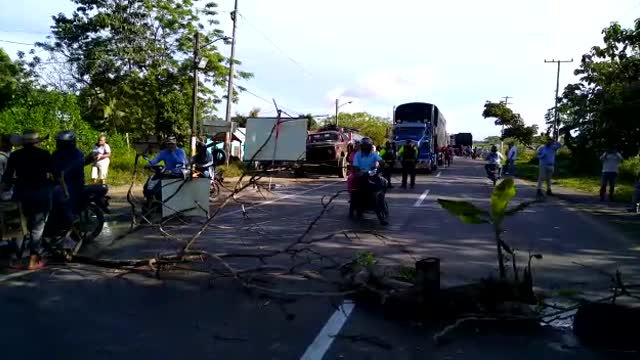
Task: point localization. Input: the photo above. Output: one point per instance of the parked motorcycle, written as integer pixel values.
(372, 197)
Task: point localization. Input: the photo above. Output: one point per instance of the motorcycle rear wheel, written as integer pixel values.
(382, 210)
(90, 224)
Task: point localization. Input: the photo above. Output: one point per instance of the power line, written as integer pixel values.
(16, 42)
(269, 102)
(275, 45)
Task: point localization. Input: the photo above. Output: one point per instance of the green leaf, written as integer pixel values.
(520, 207)
(500, 198)
(466, 211)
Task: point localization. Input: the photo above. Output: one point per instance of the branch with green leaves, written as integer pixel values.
(499, 210)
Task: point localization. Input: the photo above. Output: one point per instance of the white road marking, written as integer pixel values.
(278, 199)
(14, 275)
(421, 198)
(323, 341)
(439, 173)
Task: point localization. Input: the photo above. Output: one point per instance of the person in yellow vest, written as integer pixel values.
(408, 155)
(388, 155)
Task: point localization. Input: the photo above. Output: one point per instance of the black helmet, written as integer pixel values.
(66, 135)
(366, 141)
(66, 139)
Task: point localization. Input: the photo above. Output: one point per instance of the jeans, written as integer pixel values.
(489, 167)
(36, 204)
(511, 167)
(608, 178)
(545, 173)
(65, 207)
(386, 171)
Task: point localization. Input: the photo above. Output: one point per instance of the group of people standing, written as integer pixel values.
(546, 155)
(39, 180)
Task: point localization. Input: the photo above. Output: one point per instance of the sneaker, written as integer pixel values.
(539, 193)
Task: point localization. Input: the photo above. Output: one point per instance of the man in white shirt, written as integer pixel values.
(610, 162)
(512, 156)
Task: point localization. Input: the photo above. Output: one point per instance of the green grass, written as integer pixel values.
(121, 168)
(235, 169)
(565, 177)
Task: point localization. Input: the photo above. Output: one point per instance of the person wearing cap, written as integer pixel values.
(174, 157)
(32, 168)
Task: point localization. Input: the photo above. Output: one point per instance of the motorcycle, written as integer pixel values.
(215, 178)
(152, 190)
(494, 173)
(371, 198)
(90, 212)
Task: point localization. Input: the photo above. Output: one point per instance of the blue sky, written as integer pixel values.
(456, 53)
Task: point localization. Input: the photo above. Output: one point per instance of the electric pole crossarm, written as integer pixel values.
(556, 121)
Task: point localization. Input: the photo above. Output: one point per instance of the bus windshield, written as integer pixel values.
(414, 134)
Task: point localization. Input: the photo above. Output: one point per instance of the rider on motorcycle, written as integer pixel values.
(203, 160)
(174, 157)
(494, 159)
(68, 166)
(364, 161)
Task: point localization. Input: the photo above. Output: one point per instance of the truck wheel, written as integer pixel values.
(342, 167)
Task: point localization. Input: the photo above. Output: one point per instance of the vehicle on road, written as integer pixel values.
(152, 190)
(215, 181)
(327, 150)
(370, 197)
(92, 206)
(463, 140)
(424, 124)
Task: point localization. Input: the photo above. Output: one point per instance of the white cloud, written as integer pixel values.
(387, 85)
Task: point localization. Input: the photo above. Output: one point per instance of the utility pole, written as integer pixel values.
(227, 143)
(337, 107)
(506, 103)
(556, 121)
(194, 100)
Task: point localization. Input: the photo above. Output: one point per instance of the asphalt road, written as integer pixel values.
(83, 312)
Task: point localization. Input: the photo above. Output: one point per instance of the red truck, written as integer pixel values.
(327, 149)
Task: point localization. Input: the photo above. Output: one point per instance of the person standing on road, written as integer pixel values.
(102, 156)
(512, 156)
(408, 155)
(389, 157)
(547, 156)
(32, 167)
(610, 162)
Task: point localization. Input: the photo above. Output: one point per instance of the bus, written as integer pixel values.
(424, 124)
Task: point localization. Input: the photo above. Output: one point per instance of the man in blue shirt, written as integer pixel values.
(366, 159)
(547, 157)
(174, 157)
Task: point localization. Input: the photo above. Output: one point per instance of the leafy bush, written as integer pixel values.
(629, 169)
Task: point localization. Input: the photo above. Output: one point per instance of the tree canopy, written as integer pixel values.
(375, 127)
(514, 125)
(130, 62)
(601, 109)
